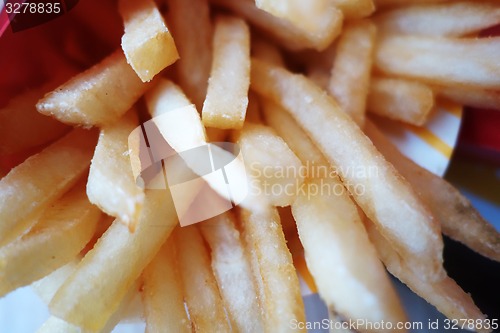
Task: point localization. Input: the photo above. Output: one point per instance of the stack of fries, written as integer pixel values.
(290, 82)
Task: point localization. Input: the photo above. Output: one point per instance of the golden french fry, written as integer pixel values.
(469, 61)
(459, 220)
(147, 43)
(162, 293)
(192, 30)
(404, 100)
(233, 273)
(375, 185)
(59, 235)
(284, 31)
(22, 127)
(280, 297)
(96, 97)
(34, 184)
(109, 270)
(111, 185)
(444, 294)
(440, 19)
(350, 76)
(333, 237)
(479, 98)
(226, 102)
(201, 294)
(273, 168)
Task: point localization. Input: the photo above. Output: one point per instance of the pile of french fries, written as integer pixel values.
(295, 84)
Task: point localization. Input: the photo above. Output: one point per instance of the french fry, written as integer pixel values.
(22, 127)
(355, 9)
(376, 186)
(459, 220)
(444, 294)
(202, 296)
(469, 61)
(287, 33)
(34, 184)
(479, 98)
(96, 97)
(273, 168)
(233, 273)
(333, 235)
(109, 270)
(192, 30)
(111, 185)
(60, 234)
(226, 102)
(350, 75)
(147, 43)
(280, 296)
(313, 17)
(162, 293)
(404, 100)
(440, 19)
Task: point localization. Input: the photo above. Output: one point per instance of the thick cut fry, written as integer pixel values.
(280, 296)
(399, 99)
(147, 43)
(350, 76)
(375, 185)
(192, 29)
(479, 98)
(227, 96)
(459, 220)
(109, 270)
(446, 19)
(162, 294)
(33, 185)
(60, 234)
(202, 296)
(288, 34)
(338, 254)
(233, 273)
(444, 294)
(274, 169)
(333, 235)
(22, 127)
(314, 17)
(111, 185)
(355, 9)
(98, 96)
(468, 62)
